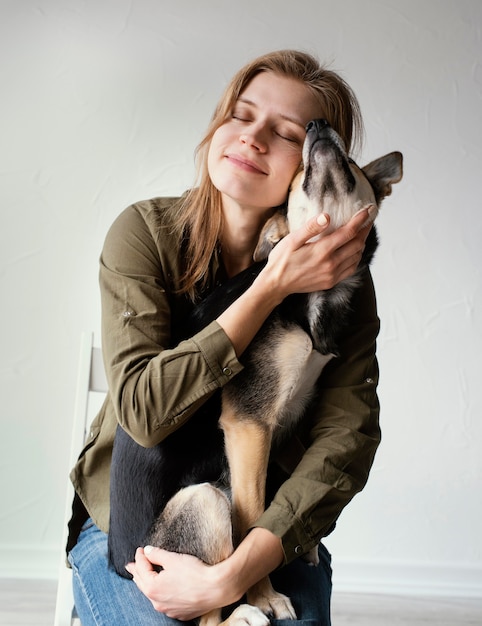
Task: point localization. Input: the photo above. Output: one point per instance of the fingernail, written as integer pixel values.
(148, 549)
(373, 212)
(321, 219)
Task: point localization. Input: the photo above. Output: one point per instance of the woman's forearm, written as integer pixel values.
(242, 320)
(257, 556)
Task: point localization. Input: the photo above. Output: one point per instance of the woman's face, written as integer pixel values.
(254, 155)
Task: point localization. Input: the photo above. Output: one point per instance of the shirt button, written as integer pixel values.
(127, 313)
(369, 381)
(227, 371)
(298, 550)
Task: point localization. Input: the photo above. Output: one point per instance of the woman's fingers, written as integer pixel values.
(357, 228)
(181, 589)
(310, 229)
(360, 223)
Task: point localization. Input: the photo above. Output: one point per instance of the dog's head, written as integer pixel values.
(332, 183)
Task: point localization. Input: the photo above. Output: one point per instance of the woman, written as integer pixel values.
(159, 257)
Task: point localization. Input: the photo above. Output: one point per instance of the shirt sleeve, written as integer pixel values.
(342, 442)
(154, 386)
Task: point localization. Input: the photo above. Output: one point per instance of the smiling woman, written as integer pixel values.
(159, 258)
(263, 137)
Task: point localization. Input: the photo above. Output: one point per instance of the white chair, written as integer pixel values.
(90, 393)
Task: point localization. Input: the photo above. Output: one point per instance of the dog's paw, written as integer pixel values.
(273, 604)
(246, 615)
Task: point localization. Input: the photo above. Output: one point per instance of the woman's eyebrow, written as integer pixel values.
(283, 116)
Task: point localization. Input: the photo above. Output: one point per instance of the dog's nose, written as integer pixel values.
(317, 125)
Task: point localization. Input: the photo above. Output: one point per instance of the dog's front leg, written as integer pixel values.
(248, 444)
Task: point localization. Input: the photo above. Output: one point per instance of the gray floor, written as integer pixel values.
(32, 603)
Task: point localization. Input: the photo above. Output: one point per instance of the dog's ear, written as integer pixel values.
(272, 232)
(383, 173)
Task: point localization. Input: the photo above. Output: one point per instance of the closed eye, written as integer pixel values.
(288, 137)
(240, 118)
(281, 134)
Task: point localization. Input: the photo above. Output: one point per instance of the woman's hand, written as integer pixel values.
(187, 588)
(298, 265)
(184, 589)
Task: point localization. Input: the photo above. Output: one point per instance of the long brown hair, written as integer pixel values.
(198, 216)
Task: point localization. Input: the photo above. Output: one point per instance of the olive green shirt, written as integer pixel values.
(155, 385)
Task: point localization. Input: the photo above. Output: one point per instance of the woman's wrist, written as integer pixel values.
(227, 582)
(243, 319)
(266, 286)
(257, 556)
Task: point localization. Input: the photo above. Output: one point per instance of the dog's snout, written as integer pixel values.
(317, 125)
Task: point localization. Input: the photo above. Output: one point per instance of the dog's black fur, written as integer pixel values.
(144, 480)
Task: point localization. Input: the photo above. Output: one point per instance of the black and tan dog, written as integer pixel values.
(205, 485)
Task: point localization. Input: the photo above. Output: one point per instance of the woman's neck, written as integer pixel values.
(235, 263)
(239, 238)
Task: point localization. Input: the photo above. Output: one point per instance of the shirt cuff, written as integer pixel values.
(282, 523)
(218, 352)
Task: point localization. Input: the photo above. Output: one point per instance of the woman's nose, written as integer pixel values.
(254, 138)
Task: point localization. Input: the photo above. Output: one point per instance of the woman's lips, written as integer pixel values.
(245, 164)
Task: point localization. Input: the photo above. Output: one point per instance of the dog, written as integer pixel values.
(199, 491)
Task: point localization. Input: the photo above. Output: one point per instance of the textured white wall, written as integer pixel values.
(102, 104)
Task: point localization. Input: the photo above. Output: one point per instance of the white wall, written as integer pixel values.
(102, 103)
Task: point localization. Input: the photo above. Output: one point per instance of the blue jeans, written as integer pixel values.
(102, 598)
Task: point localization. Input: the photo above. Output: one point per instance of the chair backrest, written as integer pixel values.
(91, 380)
(90, 392)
